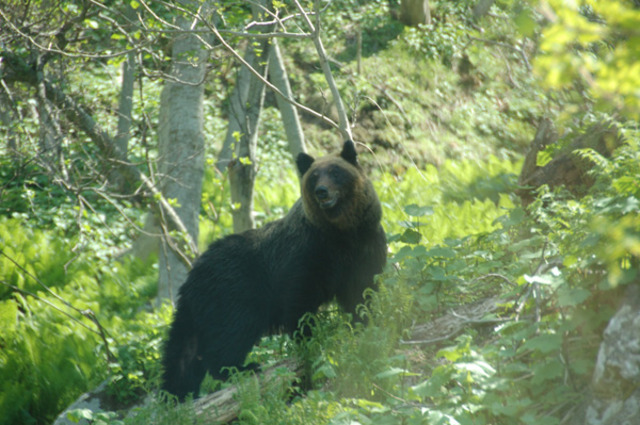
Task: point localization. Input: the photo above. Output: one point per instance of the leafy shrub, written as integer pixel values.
(441, 40)
(556, 268)
(51, 352)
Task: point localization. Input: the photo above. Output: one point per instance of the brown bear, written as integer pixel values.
(330, 245)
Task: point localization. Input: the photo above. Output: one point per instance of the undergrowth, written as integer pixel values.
(457, 234)
(556, 280)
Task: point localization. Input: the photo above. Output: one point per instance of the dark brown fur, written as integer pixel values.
(356, 200)
(330, 245)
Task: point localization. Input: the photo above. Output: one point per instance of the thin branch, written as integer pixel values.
(118, 208)
(77, 114)
(65, 53)
(265, 81)
(218, 34)
(48, 303)
(344, 128)
(266, 34)
(430, 341)
(45, 287)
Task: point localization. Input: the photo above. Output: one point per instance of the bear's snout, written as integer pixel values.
(326, 198)
(322, 193)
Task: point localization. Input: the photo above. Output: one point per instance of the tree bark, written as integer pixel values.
(290, 119)
(125, 109)
(415, 12)
(238, 99)
(482, 8)
(237, 104)
(6, 118)
(50, 137)
(242, 169)
(181, 149)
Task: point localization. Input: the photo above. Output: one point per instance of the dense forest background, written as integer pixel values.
(501, 136)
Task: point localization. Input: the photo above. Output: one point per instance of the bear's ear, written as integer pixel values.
(304, 161)
(349, 153)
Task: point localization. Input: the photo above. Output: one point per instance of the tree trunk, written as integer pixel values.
(481, 8)
(125, 109)
(6, 118)
(237, 110)
(237, 104)
(242, 169)
(50, 137)
(415, 12)
(181, 150)
(290, 119)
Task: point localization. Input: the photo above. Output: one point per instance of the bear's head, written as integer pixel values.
(336, 192)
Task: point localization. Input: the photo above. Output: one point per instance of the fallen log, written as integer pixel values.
(223, 407)
(453, 322)
(218, 407)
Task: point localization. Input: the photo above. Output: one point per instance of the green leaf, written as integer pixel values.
(417, 211)
(478, 368)
(410, 236)
(8, 317)
(441, 252)
(437, 273)
(526, 23)
(78, 414)
(394, 371)
(568, 297)
(515, 217)
(546, 343)
(91, 24)
(547, 371)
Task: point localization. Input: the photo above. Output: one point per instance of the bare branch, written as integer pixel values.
(265, 81)
(266, 34)
(49, 49)
(344, 127)
(78, 115)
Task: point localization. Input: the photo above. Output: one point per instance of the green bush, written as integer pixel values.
(50, 351)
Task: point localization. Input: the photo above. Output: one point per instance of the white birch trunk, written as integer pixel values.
(415, 12)
(181, 152)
